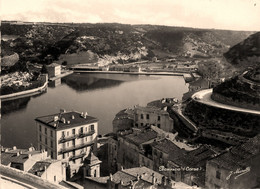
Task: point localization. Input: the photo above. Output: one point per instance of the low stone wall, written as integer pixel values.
(27, 178)
(230, 101)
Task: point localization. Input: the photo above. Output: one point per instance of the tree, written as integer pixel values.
(64, 63)
(44, 69)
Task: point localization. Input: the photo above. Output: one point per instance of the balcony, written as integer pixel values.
(76, 147)
(65, 139)
(80, 135)
(77, 156)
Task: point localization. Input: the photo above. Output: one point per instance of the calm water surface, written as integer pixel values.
(101, 95)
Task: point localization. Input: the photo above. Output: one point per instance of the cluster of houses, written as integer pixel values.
(147, 140)
(143, 151)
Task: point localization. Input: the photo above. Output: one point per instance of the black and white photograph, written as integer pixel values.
(130, 94)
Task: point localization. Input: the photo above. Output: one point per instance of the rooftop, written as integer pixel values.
(91, 159)
(142, 137)
(239, 156)
(40, 166)
(16, 155)
(168, 147)
(66, 119)
(194, 158)
(102, 180)
(151, 109)
(53, 65)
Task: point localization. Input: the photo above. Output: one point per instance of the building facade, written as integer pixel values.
(67, 136)
(237, 168)
(54, 70)
(153, 116)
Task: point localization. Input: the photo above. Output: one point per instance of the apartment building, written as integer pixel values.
(67, 136)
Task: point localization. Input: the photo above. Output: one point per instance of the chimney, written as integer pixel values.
(122, 168)
(68, 122)
(111, 177)
(138, 177)
(29, 156)
(72, 117)
(153, 179)
(164, 181)
(56, 118)
(63, 120)
(31, 149)
(17, 153)
(14, 148)
(82, 114)
(85, 115)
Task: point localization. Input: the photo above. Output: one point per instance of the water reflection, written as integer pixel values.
(83, 82)
(14, 105)
(55, 83)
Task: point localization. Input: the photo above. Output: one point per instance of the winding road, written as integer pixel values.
(204, 97)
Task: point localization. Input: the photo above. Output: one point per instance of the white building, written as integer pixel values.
(54, 70)
(67, 136)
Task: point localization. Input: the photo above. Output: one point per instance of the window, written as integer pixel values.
(86, 139)
(51, 133)
(46, 131)
(68, 155)
(54, 178)
(40, 137)
(159, 125)
(142, 124)
(92, 127)
(52, 155)
(159, 118)
(86, 129)
(40, 127)
(68, 144)
(46, 142)
(136, 124)
(142, 116)
(51, 144)
(63, 134)
(81, 130)
(68, 133)
(147, 116)
(95, 173)
(63, 156)
(73, 131)
(40, 147)
(217, 174)
(73, 142)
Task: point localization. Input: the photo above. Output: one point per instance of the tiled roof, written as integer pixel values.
(151, 109)
(194, 158)
(11, 156)
(39, 168)
(239, 156)
(7, 158)
(145, 173)
(102, 180)
(67, 116)
(168, 147)
(142, 137)
(91, 159)
(122, 176)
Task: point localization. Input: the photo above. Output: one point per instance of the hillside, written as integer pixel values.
(45, 42)
(245, 53)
